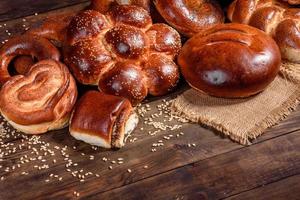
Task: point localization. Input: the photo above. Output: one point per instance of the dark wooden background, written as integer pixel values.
(197, 165)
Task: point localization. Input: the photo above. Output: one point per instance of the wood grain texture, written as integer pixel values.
(20, 8)
(215, 167)
(287, 188)
(174, 154)
(221, 176)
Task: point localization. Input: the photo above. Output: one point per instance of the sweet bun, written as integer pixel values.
(126, 80)
(275, 18)
(109, 50)
(103, 120)
(230, 60)
(34, 46)
(52, 28)
(293, 2)
(104, 6)
(190, 16)
(41, 100)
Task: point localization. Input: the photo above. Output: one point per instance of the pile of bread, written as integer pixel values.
(131, 49)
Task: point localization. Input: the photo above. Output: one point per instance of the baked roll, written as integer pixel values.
(104, 6)
(53, 28)
(274, 17)
(102, 120)
(230, 60)
(190, 16)
(115, 51)
(293, 2)
(34, 46)
(41, 100)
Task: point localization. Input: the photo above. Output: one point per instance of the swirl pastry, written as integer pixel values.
(230, 60)
(116, 51)
(102, 120)
(40, 101)
(190, 16)
(34, 46)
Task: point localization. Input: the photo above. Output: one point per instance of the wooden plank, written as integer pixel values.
(287, 188)
(20, 8)
(221, 176)
(175, 153)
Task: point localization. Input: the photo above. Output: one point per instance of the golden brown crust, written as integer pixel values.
(293, 2)
(130, 15)
(162, 74)
(126, 80)
(34, 46)
(53, 28)
(86, 24)
(104, 6)
(103, 111)
(98, 45)
(230, 60)
(87, 60)
(275, 18)
(190, 16)
(45, 95)
(164, 39)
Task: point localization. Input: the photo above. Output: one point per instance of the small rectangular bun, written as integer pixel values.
(102, 120)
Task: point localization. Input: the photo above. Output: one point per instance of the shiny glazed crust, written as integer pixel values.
(230, 60)
(190, 16)
(107, 116)
(275, 18)
(114, 50)
(104, 6)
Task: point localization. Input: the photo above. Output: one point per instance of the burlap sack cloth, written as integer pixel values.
(243, 120)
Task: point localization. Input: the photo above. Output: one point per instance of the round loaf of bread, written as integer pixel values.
(230, 60)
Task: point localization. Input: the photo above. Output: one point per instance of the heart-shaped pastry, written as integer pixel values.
(41, 100)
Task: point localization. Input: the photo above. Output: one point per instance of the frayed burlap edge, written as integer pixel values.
(289, 71)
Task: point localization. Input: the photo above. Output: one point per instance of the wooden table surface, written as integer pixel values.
(184, 161)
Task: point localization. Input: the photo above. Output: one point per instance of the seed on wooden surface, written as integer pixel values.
(129, 170)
